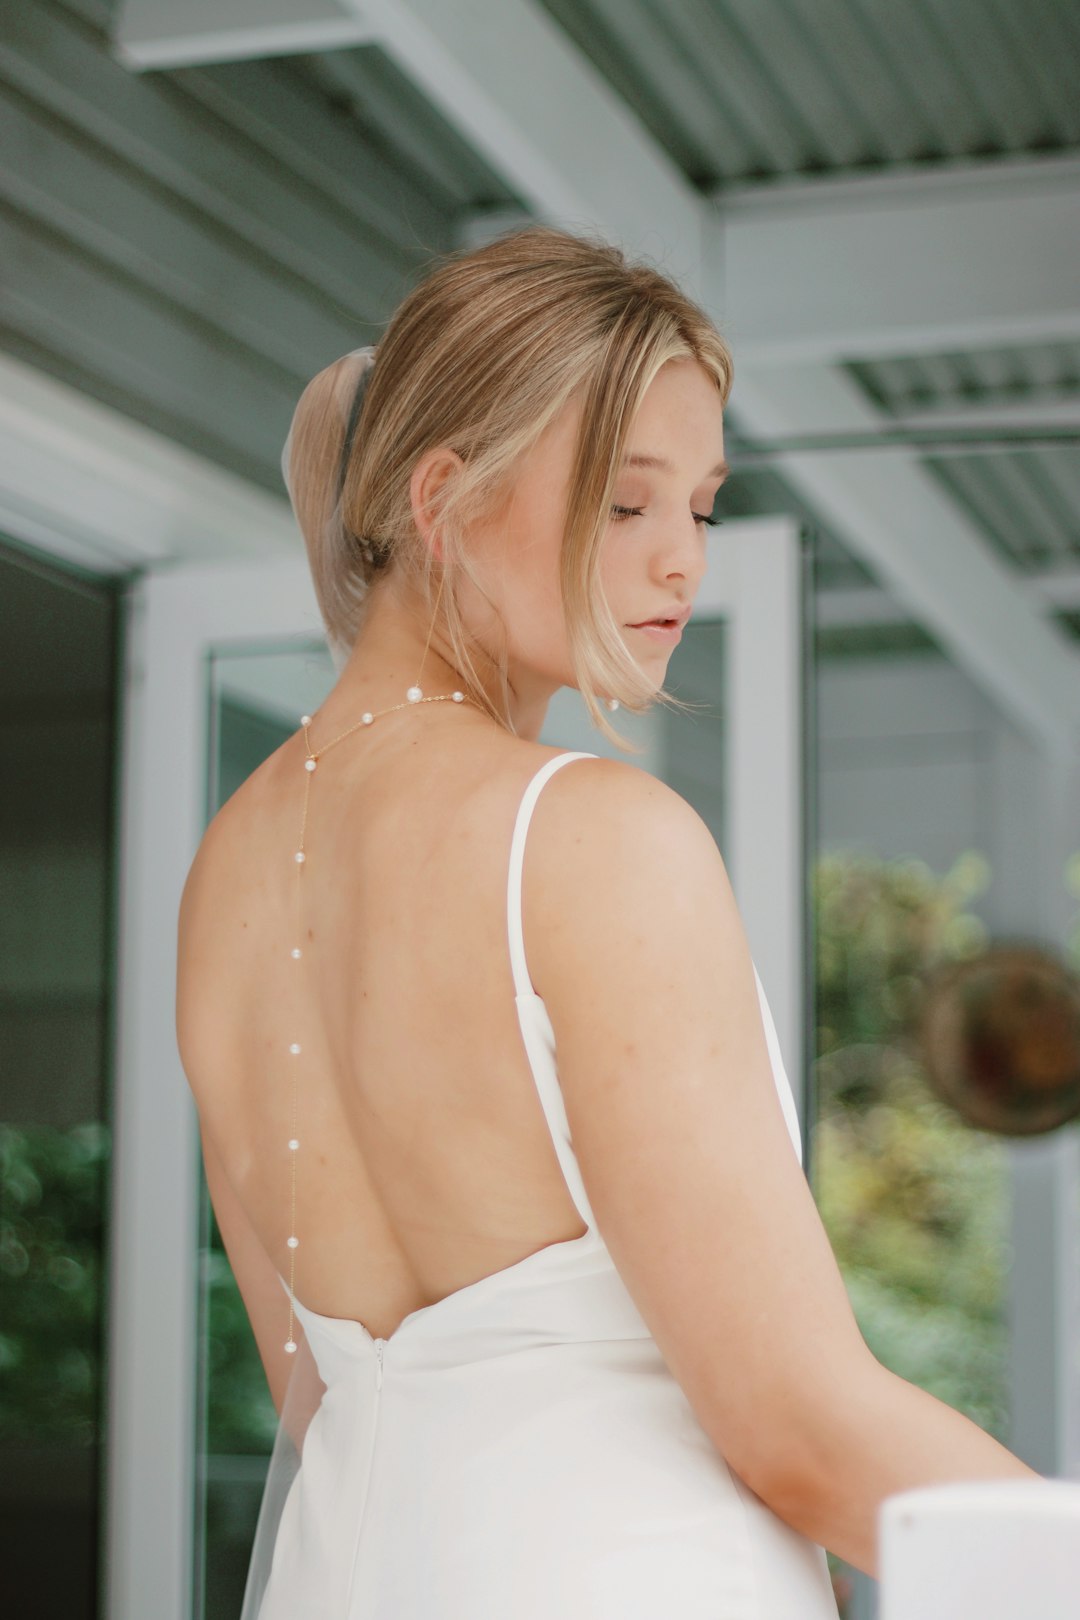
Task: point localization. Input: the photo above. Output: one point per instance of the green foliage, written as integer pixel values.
(51, 1236)
(880, 926)
(914, 1200)
(1072, 884)
(240, 1416)
(52, 1225)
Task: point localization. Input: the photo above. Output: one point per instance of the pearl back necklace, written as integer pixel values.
(414, 696)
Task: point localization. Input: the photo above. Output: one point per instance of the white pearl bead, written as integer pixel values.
(613, 703)
(300, 856)
(305, 719)
(294, 1242)
(294, 1047)
(294, 1144)
(290, 1345)
(310, 764)
(414, 694)
(367, 718)
(458, 697)
(296, 953)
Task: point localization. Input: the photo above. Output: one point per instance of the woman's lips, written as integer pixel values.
(660, 632)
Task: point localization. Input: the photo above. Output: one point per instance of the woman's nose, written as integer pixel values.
(687, 557)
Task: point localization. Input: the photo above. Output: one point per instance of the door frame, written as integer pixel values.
(178, 619)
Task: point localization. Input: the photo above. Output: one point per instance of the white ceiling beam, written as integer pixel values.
(917, 182)
(1029, 413)
(923, 548)
(828, 272)
(178, 33)
(842, 606)
(506, 75)
(510, 79)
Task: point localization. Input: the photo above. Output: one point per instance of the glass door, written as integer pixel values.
(60, 630)
(227, 660)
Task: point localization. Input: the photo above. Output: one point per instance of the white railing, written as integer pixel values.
(981, 1550)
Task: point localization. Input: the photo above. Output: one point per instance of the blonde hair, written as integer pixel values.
(481, 356)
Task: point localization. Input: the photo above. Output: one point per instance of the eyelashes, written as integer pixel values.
(620, 513)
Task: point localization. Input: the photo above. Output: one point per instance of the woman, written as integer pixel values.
(520, 1378)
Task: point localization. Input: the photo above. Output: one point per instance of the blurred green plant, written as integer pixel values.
(240, 1416)
(52, 1220)
(1072, 885)
(915, 1200)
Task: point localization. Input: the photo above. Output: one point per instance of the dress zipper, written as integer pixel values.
(376, 1409)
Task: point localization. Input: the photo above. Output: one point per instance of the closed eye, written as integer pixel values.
(623, 512)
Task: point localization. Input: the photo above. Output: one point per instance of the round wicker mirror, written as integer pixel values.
(1000, 1036)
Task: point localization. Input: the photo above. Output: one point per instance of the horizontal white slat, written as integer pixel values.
(88, 484)
(158, 33)
(838, 271)
(332, 207)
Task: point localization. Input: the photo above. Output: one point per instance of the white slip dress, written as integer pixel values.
(518, 1450)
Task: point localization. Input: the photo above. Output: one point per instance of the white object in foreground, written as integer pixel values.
(981, 1550)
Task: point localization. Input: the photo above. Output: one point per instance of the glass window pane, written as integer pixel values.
(57, 847)
(916, 1202)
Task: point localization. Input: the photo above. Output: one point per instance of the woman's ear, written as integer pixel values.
(434, 470)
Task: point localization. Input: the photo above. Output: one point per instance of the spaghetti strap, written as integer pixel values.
(522, 982)
(536, 1029)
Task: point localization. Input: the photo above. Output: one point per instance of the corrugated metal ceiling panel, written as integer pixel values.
(1020, 501)
(951, 381)
(1025, 498)
(191, 246)
(750, 90)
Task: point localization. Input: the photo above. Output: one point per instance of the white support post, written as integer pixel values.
(150, 1481)
(1042, 1302)
(1044, 1281)
(755, 582)
(1037, 829)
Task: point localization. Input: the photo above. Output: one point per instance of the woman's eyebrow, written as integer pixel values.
(642, 458)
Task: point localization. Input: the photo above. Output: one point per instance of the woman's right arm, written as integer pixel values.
(636, 945)
(880, 1434)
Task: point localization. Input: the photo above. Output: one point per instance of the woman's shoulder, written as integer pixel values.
(614, 805)
(610, 846)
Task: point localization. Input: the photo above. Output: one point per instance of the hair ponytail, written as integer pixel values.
(314, 464)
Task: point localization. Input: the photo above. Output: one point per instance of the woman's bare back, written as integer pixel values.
(425, 1161)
